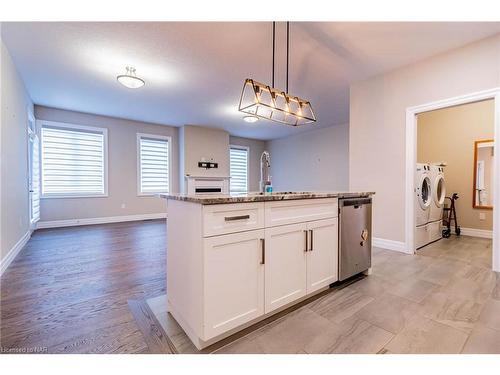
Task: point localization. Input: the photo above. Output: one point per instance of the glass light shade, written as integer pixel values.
(250, 119)
(269, 103)
(130, 79)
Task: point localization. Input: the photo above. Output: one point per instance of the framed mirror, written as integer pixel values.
(483, 174)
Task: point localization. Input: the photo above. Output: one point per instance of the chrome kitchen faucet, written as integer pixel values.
(265, 164)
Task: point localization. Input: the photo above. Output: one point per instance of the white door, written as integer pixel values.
(33, 172)
(234, 280)
(322, 257)
(285, 264)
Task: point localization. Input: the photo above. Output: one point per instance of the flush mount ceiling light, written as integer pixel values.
(250, 118)
(130, 79)
(268, 102)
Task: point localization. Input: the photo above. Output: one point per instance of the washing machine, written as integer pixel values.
(423, 194)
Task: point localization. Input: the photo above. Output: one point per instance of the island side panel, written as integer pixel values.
(185, 264)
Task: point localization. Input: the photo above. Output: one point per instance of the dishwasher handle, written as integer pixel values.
(356, 202)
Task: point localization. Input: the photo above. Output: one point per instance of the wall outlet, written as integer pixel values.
(123, 205)
(482, 216)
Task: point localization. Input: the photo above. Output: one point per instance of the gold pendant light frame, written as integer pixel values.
(263, 101)
(270, 103)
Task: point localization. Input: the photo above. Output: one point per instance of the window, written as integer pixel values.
(153, 164)
(238, 165)
(74, 160)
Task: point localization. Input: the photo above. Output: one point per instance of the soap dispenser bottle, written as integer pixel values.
(268, 188)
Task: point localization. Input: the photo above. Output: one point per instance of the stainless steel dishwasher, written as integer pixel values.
(355, 232)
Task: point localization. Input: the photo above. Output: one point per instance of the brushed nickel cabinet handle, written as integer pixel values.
(311, 247)
(263, 249)
(307, 241)
(234, 218)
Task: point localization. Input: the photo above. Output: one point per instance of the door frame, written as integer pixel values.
(411, 159)
(31, 132)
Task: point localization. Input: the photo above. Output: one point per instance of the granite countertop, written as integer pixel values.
(259, 197)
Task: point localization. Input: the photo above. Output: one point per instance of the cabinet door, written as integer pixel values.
(285, 265)
(234, 281)
(322, 257)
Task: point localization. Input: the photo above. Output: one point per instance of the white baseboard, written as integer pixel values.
(475, 232)
(389, 244)
(11, 255)
(98, 220)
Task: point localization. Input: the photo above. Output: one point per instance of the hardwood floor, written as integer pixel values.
(68, 289)
(156, 338)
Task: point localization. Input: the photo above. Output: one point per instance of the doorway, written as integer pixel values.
(412, 115)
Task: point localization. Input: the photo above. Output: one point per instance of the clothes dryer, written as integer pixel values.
(438, 192)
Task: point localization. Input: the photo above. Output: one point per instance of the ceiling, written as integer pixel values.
(194, 72)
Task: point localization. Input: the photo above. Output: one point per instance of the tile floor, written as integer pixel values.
(445, 299)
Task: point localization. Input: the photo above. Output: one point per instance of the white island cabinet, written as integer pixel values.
(231, 265)
(233, 281)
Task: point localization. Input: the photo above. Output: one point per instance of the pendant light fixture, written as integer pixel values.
(267, 102)
(130, 79)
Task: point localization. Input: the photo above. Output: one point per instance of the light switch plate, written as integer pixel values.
(482, 216)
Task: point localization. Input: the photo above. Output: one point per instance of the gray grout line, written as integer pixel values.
(436, 287)
(465, 343)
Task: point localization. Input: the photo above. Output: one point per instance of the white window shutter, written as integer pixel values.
(73, 162)
(153, 164)
(238, 169)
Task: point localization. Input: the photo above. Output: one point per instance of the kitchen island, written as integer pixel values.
(233, 260)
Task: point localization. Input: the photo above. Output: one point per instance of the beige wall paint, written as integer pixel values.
(314, 160)
(203, 142)
(196, 142)
(377, 121)
(15, 101)
(209, 143)
(122, 169)
(448, 135)
(256, 148)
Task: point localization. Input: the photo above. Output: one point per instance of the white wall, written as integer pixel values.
(256, 148)
(377, 121)
(122, 169)
(314, 160)
(14, 223)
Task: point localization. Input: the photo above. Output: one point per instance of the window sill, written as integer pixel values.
(66, 196)
(150, 194)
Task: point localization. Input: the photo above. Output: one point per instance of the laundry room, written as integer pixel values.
(454, 177)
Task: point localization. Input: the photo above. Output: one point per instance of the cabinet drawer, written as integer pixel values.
(231, 218)
(299, 211)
